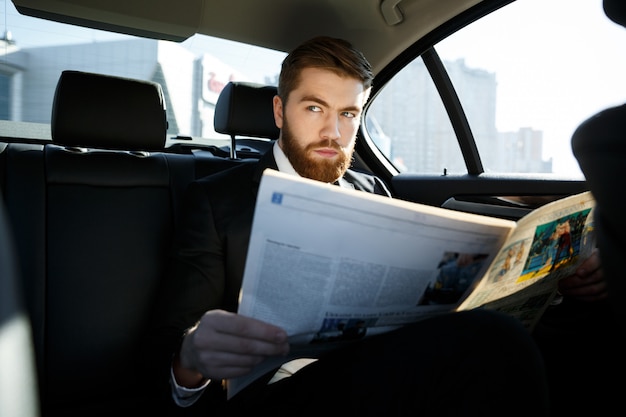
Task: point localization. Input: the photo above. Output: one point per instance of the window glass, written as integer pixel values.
(409, 124)
(34, 52)
(527, 76)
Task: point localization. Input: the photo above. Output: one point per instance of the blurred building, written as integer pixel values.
(190, 83)
(409, 110)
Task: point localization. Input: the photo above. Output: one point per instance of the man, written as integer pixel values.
(475, 362)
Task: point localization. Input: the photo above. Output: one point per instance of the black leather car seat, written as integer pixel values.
(101, 219)
(245, 109)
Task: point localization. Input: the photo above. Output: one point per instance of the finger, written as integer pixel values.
(574, 281)
(235, 324)
(222, 365)
(214, 369)
(590, 265)
(257, 329)
(237, 343)
(229, 332)
(586, 292)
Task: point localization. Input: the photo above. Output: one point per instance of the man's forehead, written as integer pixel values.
(324, 85)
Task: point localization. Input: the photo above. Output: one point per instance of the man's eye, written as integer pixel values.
(314, 108)
(349, 115)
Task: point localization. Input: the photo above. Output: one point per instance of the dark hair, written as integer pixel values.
(336, 55)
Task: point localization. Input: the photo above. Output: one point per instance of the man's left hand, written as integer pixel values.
(587, 283)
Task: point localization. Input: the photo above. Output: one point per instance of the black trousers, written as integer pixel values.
(583, 349)
(470, 363)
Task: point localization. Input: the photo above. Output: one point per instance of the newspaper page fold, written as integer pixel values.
(331, 265)
(548, 244)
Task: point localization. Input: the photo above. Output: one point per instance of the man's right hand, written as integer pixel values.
(226, 345)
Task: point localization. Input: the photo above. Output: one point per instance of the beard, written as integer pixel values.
(309, 166)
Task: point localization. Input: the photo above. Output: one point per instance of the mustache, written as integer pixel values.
(327, 143)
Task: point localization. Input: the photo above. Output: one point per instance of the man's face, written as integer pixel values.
(319, 123)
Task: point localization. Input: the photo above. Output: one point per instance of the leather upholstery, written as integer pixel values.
(245, 109)
(93, 223)
(101, 111)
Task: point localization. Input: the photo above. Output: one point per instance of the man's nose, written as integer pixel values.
(331, 128)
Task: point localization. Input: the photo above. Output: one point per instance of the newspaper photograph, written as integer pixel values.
(547, 245)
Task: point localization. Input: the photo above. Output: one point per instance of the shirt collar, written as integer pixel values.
(282, 162)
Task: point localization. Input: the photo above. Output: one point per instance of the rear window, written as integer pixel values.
(34, 52)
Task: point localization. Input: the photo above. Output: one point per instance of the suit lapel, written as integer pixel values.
(343, 183)
(266, 161)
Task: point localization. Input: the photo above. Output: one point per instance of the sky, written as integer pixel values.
(518, 79)
(572, 53)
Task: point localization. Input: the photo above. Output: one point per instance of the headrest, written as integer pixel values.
(615, 10)
(103, 111)
(245, 109)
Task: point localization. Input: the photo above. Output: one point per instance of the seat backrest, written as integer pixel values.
(245, 109)
(93, 214)
(92, 241)
(100, 111)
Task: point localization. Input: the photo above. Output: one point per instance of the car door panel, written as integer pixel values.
(506, 196)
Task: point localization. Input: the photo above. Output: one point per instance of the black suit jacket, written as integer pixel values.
(599, 145)
(209, 255)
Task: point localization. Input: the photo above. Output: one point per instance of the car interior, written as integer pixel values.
(99, 179)
(87, 218)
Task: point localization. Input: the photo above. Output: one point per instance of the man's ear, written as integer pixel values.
(278, 111)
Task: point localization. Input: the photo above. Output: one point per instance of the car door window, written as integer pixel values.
(526, 75)
(409, 124)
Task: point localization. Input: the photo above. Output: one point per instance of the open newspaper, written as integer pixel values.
(332, 265)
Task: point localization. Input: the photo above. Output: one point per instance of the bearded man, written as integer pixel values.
(424, 368)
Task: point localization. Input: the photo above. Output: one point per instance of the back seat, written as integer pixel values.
(93, 215)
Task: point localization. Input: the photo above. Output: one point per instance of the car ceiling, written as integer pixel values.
(382, 29)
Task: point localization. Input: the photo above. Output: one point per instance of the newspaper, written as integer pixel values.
(332, 265)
